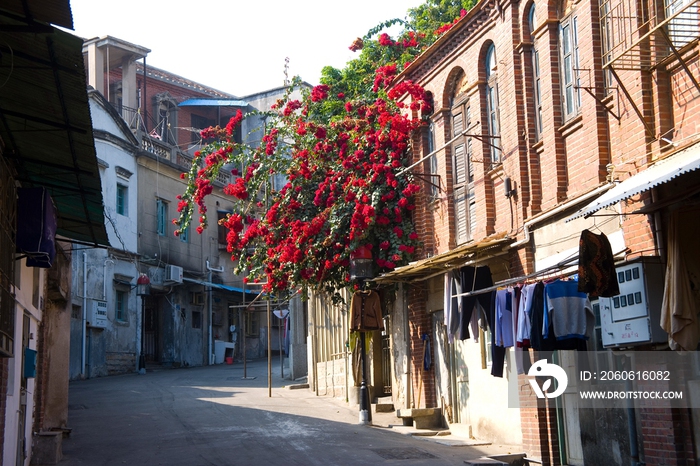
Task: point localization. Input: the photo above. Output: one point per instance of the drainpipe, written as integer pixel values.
(209, 310)
(84, 329)
(658, 233)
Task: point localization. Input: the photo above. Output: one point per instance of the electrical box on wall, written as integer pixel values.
(97, 314)
(633, 317)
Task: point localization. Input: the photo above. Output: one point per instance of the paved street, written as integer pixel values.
(212, 416)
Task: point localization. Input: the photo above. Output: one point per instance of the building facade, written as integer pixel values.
(148, 124)
(552, 119)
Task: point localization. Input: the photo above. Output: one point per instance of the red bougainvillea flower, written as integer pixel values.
(315, 189)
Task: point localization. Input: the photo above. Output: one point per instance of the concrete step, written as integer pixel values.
(384, 405)
(484, 462)
(421, 418)
(515, 459)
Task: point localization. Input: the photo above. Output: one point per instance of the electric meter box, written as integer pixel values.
(97, 314)
(633, 317)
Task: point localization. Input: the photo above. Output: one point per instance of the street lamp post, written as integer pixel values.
(361, 268)
(143, 285)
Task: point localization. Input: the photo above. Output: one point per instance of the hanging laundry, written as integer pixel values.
(427, 356)
(539, 340)
(681, 301)
(596, 266)
(452, 304)
(522, 339)
(472, 279)
(366, 311)
(498, 353)
(569, 311)
(504, 318)
(522, 356)
(354, 341)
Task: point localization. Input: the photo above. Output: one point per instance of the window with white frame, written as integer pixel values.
(122, 199)
(492, 105)
(433, 163)
(568, 50)
(463, 173)
(120, 297)
(536, 76)
(683, 26)
(161, 217)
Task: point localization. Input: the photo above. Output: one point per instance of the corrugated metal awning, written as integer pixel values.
(56, 12)
(213, 103)
(457, 257)
(46, 126)
(683, 161)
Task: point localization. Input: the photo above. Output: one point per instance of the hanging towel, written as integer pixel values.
(681, 301)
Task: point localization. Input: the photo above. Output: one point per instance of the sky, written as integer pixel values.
(235, 46)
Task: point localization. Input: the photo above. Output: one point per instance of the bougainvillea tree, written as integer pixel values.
(343, 152)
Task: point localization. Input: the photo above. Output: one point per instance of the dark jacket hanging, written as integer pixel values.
(596, 266)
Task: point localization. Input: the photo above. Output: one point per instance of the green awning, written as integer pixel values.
(45, 123)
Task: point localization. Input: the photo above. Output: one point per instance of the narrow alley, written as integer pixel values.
(213, 416)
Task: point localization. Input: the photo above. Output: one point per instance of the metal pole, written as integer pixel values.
(269, 351)
(365, 414)
(241, 324)
(279, 334)
(142, 356)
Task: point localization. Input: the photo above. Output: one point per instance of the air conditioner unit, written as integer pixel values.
(97, 314)
(173, 274)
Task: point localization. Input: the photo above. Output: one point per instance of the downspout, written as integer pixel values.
(658, 233)
(210, 310)
(84, 326)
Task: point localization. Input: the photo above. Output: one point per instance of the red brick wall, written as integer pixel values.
(539, 424)
(180, 93)
(423, 382)
(611, 134)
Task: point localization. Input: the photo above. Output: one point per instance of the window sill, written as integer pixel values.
(538, 146)
(571, 126)
(496, 171)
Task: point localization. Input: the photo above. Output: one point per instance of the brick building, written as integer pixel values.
(552, 118)
(147, 130)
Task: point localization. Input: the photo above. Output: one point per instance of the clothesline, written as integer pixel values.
(511, 281)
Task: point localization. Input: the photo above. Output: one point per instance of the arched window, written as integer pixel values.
(536, 76)
(462, 166)
(492, 104)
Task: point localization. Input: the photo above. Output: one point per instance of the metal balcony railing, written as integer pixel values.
(641, 35)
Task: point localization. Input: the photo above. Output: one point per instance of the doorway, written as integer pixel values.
(152, 330)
